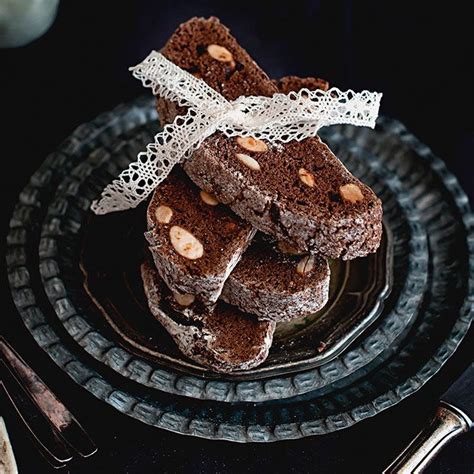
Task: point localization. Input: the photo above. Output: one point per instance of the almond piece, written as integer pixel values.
(306, 177)
(163, 214)
(208, 198)
(184, 299)
(252, 144)
(351, 192)
(248, 161)
(305, 265)
(288, 249)
(185, 243)
(220, 53)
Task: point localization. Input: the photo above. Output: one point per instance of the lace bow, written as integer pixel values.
(278, 119)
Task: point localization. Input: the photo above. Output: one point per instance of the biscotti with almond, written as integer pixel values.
(224, 339)
(298, 192)
(195, 241)
(269, 281)
(274, 281)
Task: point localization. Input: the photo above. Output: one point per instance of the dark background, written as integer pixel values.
(420, 55)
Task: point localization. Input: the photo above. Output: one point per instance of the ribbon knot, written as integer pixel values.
(235, 114)
(278, 119)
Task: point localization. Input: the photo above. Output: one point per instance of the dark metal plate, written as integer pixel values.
(140, 349)
(442, 319)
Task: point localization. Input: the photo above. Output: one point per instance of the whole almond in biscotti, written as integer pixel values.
(185, 243)
(276, 201)
(306, 177)
(252, 144)
(351, 192)
(208, 198)
(248, 161)
(163, 214)
(220, 53)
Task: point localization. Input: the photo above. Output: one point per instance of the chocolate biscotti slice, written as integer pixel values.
(298, 192)
(224, 339)
(195, 241)
(275, 282)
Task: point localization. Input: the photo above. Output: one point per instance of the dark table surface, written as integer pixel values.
(417, 56)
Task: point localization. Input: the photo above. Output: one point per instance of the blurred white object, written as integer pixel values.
(7, 459)
(23, 21)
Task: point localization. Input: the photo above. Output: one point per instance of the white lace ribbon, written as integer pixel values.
(278, 119)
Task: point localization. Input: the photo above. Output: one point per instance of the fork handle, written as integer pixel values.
(47, 402)
(447, 423)
(34, 421)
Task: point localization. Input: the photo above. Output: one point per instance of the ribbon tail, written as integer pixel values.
(353, 108)
(174, 143)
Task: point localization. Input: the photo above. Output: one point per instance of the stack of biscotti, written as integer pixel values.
(216, 284)
(216, 288)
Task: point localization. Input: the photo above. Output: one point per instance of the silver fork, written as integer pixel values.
(52, 426)
(48, 443)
